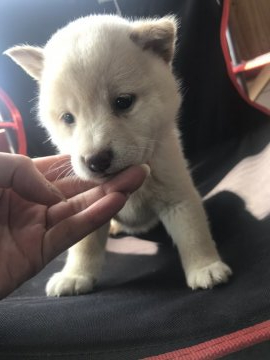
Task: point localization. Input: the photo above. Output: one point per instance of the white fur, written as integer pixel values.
(86, 65)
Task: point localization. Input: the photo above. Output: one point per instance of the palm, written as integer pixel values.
(22, 230)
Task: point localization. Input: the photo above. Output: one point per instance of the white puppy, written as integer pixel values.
(108, 98)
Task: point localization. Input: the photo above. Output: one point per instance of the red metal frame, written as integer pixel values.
(227, 57)
(226, 53)
(259, 61)
(16, 124)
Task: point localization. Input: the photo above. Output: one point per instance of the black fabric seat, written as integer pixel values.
(142, 307)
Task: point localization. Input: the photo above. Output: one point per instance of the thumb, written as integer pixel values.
(19, 173)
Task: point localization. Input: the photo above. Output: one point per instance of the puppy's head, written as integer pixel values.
(107, 93)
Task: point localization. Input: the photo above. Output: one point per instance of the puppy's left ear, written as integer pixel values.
(158, 35)
(30, 58)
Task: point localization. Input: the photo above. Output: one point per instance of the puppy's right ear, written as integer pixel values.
(30, 58)
(157, 35)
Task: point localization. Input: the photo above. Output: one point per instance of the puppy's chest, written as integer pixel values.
(138, 214)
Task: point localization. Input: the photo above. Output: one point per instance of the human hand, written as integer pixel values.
(36, 226)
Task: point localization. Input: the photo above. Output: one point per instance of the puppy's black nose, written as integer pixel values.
(100, 162)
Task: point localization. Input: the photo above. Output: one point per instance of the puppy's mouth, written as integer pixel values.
(105, 176)
(110, 174)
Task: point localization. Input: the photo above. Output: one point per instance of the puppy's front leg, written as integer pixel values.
(186, 222)
(83, 266)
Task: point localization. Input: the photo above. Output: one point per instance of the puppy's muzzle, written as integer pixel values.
(99, 162)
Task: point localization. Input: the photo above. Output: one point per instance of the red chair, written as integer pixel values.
(14, 122)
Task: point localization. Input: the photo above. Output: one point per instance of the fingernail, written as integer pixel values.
(146, 168)
(56, 191)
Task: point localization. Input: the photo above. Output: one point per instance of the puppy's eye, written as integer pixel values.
(68, 118)
(124, 102)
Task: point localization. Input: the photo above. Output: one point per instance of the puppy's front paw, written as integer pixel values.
(61, 284)
(209, 276)
(115, 228)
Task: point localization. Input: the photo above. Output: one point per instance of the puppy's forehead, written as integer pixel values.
(89, 40)
(93, 52)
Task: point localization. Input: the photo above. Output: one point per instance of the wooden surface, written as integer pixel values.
(250, 27)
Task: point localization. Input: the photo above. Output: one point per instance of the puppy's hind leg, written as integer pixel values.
(82, 268)
(186, 222)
